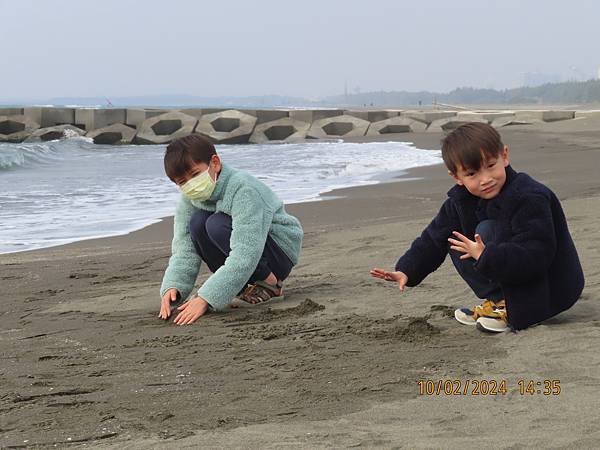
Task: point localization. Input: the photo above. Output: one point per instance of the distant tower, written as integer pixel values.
(346, 90)
(599, 73)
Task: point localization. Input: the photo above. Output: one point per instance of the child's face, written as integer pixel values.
(197, 168)
(487, 182)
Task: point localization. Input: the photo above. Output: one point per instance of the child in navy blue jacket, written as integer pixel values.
(506, 235)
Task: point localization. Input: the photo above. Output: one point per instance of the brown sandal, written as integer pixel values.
(261, 292)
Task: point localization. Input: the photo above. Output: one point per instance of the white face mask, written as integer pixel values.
(200, 187)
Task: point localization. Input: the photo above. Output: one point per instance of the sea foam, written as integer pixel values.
(56, 192)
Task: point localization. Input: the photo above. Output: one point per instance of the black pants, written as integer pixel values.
(482, 287)
(211, 233)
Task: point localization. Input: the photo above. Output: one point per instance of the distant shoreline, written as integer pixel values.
(549, 95)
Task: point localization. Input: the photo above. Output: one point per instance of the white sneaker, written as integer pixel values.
(495, 323)
(468, 316)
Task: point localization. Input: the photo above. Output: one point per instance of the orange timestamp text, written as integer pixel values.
(547, 387)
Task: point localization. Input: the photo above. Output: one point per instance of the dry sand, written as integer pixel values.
(86, 361)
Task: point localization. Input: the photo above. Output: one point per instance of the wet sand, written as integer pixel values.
(85, 360)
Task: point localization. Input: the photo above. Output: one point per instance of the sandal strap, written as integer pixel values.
(273, 288)
(261, 291)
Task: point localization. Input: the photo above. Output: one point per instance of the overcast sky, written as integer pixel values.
(302, 48)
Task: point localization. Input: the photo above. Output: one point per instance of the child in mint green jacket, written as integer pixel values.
(231, 221)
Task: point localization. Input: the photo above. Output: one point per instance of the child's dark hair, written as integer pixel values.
(466, 146)
(182, 153)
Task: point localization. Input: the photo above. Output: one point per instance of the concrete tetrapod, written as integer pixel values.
(450, 123)
(6, 111)
(95, 118)
(427, 117)
(134, 117)
(50, 116)
(395, 125)
(544, 115)
(506, 121)
(490, 116)
(165, 128)
(113, 134)
(338, 126)
(16, 128)
(280, 130)
(226, 127)
(54, 133)
(373, 115)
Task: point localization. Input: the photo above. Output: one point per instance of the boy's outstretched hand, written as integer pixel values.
(469, 248)
(398, 277)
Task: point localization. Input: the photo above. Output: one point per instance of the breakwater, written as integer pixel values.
(115, 126)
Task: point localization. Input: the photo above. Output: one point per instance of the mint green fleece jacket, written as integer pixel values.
(256, 212)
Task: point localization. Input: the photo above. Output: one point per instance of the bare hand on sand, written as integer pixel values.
(398, 277)
(165, 303)
(191, 311)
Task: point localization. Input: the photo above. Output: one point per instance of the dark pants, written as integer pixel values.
(211, 233)
(483, 288)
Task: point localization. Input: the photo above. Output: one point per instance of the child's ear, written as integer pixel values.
(453, 175)
(505, 154)
(216, 162)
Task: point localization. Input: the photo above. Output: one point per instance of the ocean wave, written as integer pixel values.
(13, 156)
(24, 155)
(69, 190)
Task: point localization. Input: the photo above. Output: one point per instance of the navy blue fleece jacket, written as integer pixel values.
(533, 258)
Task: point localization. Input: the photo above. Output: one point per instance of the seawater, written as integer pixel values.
(63, 191)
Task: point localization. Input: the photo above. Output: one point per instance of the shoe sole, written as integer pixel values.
(463, 321)
(480, 327)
